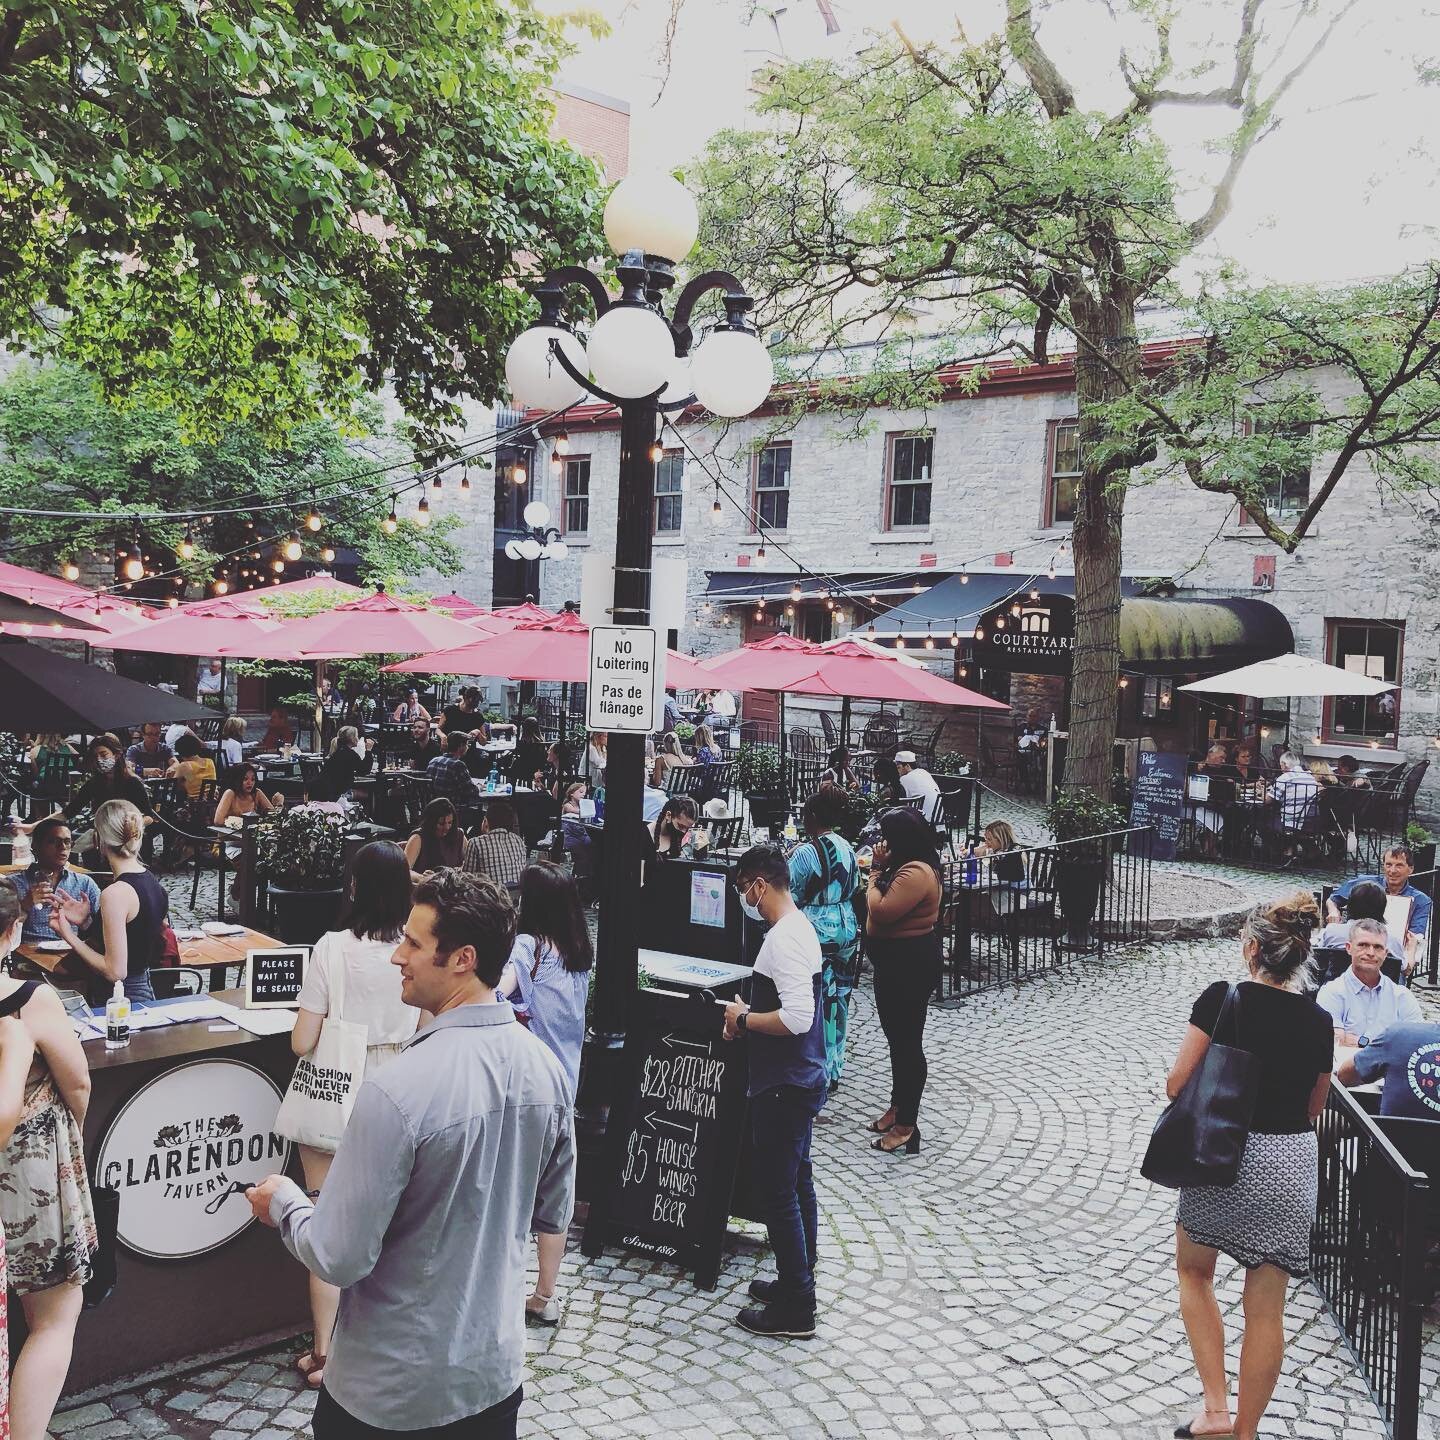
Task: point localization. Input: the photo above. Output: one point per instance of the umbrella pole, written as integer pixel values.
(317, 716)
(564, 708)
(782, 729)
(845, 721)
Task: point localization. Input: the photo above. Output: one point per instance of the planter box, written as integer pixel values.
(303, 916)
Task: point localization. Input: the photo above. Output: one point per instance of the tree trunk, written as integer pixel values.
(1107, 365)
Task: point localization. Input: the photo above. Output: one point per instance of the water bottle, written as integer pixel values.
(117, 1018)
(490, 782)
(972, 866)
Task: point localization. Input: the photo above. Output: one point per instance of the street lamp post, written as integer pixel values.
(639, 361)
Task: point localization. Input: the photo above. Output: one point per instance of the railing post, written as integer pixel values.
(1411, 1306)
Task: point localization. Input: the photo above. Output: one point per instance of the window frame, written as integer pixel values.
(1329, 735)
(566, 498)
(755, 491)
(656, 495)
(1048, 518)
(891, 486)
(1246, 519)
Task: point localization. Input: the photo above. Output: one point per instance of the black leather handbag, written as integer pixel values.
(1201, 1135)
(105, 1202)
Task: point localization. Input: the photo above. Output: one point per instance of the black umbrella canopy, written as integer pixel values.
(40, 690)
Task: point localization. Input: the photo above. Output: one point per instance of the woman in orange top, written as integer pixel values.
(903, 941)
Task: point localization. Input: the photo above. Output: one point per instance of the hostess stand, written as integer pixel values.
(675, 1164)
(179, 1124)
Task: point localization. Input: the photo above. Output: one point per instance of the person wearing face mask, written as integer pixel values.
(782, 1027)
(110, 779)
(673, 827)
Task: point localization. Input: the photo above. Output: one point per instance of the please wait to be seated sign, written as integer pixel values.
(627, 678)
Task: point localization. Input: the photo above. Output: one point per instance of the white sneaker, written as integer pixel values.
(543, 1310)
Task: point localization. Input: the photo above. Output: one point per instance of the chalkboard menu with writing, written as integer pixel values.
(273, 977)
(1158, 800)
(674, 1137)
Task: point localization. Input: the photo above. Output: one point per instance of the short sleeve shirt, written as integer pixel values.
(1291, 1037)
(372, 986)
(1362, 1011)
(1408, 1056)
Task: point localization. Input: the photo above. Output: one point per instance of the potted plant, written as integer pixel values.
(1074, 816)
(301, 856)
(1422, 845)
(758, 774)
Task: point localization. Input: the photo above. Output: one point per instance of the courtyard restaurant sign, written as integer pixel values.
(1037, 641)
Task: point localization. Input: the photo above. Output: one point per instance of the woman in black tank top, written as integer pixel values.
(133, 909)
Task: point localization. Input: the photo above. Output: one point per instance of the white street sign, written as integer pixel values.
(627, 679)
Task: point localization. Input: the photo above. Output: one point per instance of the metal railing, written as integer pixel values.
(1021, 914)
(1367, 1255)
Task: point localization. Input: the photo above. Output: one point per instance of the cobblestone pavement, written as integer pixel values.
(1012, 1280)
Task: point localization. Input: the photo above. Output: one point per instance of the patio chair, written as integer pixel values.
(881, 736)
(176, 980)
(832, 731)
(725, 834)
(957, 806)
(997, 762)
(802, 742)
(925, 746)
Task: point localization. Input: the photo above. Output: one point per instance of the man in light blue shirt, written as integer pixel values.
(51, 875)
(1399, 867)
(455, 1152)
(1363, 1002)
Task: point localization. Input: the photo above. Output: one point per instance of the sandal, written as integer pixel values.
(880, 1129)
(307, 1362)
(315, 1376)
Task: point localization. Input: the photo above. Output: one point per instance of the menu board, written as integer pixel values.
(674, 1137)
(274, 977)
(1157, 799)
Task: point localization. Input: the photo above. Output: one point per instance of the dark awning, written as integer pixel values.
(740, 587)
(1181, 637)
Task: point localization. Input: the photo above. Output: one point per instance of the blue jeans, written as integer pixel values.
(782, 1120)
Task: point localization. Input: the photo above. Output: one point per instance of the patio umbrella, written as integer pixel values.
(92, 617)
(456, 605)
(40, 690)
(254, 599)
(208, 627)
(1290, 676)
(554, 649)
(525, 613)
(377, 625)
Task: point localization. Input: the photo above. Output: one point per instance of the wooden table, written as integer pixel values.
(212, 953)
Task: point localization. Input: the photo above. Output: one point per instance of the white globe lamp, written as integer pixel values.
(535, 377)
(678, 386)
(557, 550)
(731, 372)
(631, 351)
(512, 549)
(529, 548)
(537, 514)
(653, 213)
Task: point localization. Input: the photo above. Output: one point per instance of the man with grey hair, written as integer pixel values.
(1363, 1002)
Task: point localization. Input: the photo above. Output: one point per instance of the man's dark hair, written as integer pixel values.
(45, 828)
(1366, 902)
(500, 816)
(470, 910)
(826, 808)
(764, 862)
(1348, 764)
(1402, 852)
(457, 742)
(189, 747)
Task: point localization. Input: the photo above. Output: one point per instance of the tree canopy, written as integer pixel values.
(960, 201)
(259, 209)
(68, 450)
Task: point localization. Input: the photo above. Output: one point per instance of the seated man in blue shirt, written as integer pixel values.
(1363, 1002)
(449, 773)
(1399, 866)
(49, 876)
(1407, 1057)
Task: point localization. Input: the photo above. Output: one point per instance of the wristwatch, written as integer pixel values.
(740, 1020)
(1363, 1041)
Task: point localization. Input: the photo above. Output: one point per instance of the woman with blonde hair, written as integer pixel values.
(45, 1207)
(1263, 1220)
(669, 756)
(347, 759)
(133, 909)
(232, 743)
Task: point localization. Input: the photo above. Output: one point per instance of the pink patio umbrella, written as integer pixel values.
(30, 598)
(377, 625)
(93, 616)
(253, 598)
(220, 627)
(556, 649)
(524, 613)
(456, 605)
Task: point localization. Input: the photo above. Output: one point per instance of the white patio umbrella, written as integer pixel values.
(1290, 676)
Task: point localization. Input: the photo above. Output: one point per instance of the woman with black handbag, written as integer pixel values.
(1263, 1219)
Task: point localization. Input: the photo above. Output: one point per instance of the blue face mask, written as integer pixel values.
(751, 910)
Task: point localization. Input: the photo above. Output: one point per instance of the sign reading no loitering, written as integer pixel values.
(627, 679)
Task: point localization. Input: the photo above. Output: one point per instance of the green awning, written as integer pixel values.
(1181, 637)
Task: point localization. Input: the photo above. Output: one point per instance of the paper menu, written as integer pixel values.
(259, 1022)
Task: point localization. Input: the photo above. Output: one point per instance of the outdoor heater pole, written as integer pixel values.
(621, 854)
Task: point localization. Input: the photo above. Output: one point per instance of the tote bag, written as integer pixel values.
(1200, 1136)
(322, 1090)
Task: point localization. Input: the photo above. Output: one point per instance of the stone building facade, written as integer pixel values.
(865, 504)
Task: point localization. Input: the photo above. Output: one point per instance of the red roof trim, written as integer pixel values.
(1007, 377)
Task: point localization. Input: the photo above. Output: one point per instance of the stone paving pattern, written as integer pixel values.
(1014, 1279)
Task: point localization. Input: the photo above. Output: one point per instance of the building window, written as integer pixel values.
(1157, 699)
(1062, 472)
(669, 510)
(907, 497)
(577, 495)
(1284, 476)
(1365, 647)
(771, 503)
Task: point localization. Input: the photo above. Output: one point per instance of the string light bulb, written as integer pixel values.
(795, 594)
(716, 513)
(929, 638)
(292, 549)
(391, 523)
(657, 452)
(999, 622)
(562, 443)
(964, 576)
(313, 522)
(979, 633)
(422, 512)
(172, 603)
(870, 631)
(706, 608)
(517, 474)
(187, 545)
(964, 671)
(899, 642)
(220, 586)
(761, 558)
(437, 481)
(1124, 681)
(464, 483)
(70, 570)
(278, 565)
(556, 462)
(134, 566)
(328, 555)
(1015, 609)
(916, 588)
(954, 639)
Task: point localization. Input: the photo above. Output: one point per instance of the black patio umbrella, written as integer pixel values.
(40, 690)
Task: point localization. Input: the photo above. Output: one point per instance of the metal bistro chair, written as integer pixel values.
(207, 731)
(685, 779)
(416, 791)
(997, 763)
(881, 736)
(724, 834)
(925, 746)
(174, 980)
(831, 730)
(957, 806)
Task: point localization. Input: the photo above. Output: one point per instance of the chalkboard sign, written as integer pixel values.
(273, 977)
(674, 1137)
(1158, 800)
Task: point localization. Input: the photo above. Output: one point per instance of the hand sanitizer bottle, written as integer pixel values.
(117, 1018)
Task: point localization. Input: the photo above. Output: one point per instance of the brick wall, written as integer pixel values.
(596, 125)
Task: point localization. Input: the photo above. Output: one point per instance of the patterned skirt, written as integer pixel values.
(1265, 1217)
(45, 1208)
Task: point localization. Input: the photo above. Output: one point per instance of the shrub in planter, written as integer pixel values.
(301, 855)
(1075, 815)
(762, 783)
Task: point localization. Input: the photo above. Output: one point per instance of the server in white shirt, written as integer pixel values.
(915, 781)
(782, 1028)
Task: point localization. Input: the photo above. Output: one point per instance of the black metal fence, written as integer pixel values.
(1367, 1254)
(1020, 914)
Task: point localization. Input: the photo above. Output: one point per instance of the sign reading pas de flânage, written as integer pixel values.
(627, 679)
(183, 1150)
